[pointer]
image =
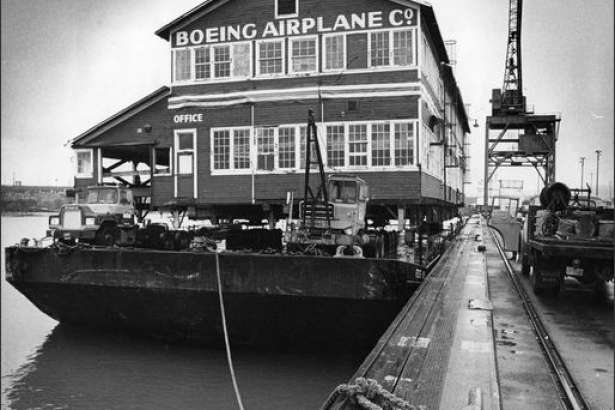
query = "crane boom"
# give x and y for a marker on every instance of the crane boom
(510, 99)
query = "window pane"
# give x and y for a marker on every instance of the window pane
(162, 161)
(222, 61)
(184, 163)
(270, 57)
(264, 148)
(287, 7)
(334, 51)
(313, 154)
(201, 63)
(241, 152)
(242, 56)
(286, 148)
(357, 144)
(381, 144)
(84, 162)
(379, 48)
(304, 55)
(185, 140)
(404, 144)
(182, 65)
(335, 145)
(222, 149)
(402, 48)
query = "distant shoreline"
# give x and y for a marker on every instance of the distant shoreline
(27, 213)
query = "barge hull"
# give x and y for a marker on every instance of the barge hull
(270, 300)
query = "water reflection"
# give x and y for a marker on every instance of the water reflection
(81, 369)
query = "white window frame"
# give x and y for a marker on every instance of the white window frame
(414, 125)
(258, 73)
(291, 40)
(322, 139)
(324, 53)
(161, 174)
(176, 153)
(284, 16)
(231, 170)
(344, 143)
(90, 172)
(210, 50)
(391, 64)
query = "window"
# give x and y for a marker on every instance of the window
(241, 151)
(335, 52)
(182, 64)
(222, 149)
(303, 55)
(162, 161)
(286, 8)
(357, 144)
(265, 154)
(379, 48)
(404, 143)
(286, 153)
(381, 144)
(403, 50)
(392, 48)
(335, 145)
(270, 57)
(222, 61)
(85, 166)
(184, 146)
(202, 68)
(302, 142)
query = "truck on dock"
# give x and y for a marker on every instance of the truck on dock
(566, 235)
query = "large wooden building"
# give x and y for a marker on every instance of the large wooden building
(226, 138)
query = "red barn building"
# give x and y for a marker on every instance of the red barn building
(227, 137)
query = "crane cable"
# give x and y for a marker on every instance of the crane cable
(226, 339)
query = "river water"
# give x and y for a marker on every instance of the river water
(49, 366)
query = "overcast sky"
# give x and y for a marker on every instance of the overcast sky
(69, 64)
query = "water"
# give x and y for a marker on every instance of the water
(50, 366)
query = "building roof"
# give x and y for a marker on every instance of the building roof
(121, 116)
(427, 17)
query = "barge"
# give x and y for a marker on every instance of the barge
(270, 300)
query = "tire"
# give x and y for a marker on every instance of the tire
(525, 262)
(536, 280)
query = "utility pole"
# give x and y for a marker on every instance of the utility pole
(598, 152)
(582, 161)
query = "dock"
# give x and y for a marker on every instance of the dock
(457, 344)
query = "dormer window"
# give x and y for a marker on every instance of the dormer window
(286, 8)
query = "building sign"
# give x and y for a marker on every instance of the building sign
(187, 118)
(298, 26)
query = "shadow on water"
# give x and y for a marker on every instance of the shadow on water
(83, 369)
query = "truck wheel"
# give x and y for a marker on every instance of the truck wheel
(525, 262)
(536, 280)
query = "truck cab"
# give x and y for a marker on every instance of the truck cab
(348, 195)
(106, 209)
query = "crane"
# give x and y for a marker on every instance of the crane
(510, 99)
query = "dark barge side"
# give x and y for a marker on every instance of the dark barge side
(270, 300)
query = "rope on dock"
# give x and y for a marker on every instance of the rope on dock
(226, 339)
(369, 395)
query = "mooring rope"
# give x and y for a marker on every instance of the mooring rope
(226, 340)
(368, 395)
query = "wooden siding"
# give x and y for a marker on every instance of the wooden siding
(431, 187)
(225, 189)
(157, 115)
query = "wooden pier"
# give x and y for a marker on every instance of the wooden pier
(439, 351)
